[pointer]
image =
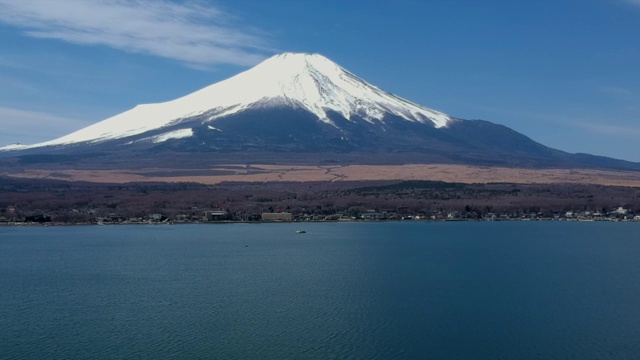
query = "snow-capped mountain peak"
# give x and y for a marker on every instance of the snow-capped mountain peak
(319, 85)
(308, 81)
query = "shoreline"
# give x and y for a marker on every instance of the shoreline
(55, 224)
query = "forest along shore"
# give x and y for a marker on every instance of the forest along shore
(31, 201)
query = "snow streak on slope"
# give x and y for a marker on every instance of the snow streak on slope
(177, 134)
(307, 81)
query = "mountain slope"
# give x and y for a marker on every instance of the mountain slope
(298, 105)
(309, 82)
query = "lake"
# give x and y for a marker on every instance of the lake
(391, 290)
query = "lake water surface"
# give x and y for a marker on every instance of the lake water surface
(506, 290)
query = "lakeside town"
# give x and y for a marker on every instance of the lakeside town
(93, 217)
(59, 203)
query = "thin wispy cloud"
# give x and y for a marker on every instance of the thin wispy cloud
(194, 33)
(27, 126)
(617, 91)
(616, 130)
(577, 122)
(632, 2)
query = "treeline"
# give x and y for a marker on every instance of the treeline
(41, 201)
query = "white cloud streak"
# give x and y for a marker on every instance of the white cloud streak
(193, 33)
(632, 2)
(615, 130)
(617, 91)
(28, 127)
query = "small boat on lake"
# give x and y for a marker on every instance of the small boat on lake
(301, 232)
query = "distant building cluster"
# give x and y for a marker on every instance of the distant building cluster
(11, 216)
(283, 216)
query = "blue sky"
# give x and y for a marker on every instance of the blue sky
(563, 72)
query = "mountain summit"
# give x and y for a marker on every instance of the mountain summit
(301, 108)
(308, 82)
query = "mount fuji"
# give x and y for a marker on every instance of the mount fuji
(302, 108)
